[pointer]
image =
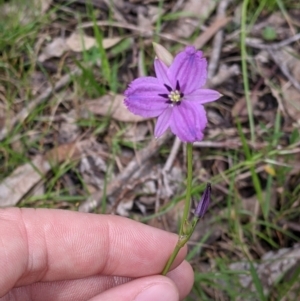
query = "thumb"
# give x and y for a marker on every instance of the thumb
(158, 288)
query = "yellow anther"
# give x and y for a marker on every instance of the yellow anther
(175, 96)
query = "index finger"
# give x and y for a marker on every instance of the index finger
(49, 245)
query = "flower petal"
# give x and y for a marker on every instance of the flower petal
(142, 97)
(203, 96)
(163, 122)
(161, 72)
(189, 68)
(188, 121)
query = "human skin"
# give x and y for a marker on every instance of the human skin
(60, 255)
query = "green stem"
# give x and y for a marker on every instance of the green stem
(171, 259)
(187, 205)
(182, 240)
(186, 230)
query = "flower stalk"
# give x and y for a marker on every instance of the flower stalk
(176, 97)
(183, 232)
(187, 204)
(187, 228)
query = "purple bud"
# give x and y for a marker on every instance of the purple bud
(204, 202)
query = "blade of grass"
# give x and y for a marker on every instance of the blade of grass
(244, 68)
(99, 38)
(257, 283)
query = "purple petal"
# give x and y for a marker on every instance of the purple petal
(202, 96)
(142, 97)
(163, 122)
(161, 72)
(188, 121)
(190, 69)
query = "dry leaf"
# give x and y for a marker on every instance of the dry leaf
(79, 42)
(55, 49)
(26, 176)
(199, 12)
(112, 105)
(291, 100)
(22, 180)
(289, 59)
(136, 133)
(92, 166)
(76, 42)
(110, 42)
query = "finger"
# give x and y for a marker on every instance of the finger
(68, 290)
(183, 277)
(158, 288)
(51, 245)
(84, 289)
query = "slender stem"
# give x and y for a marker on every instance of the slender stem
(184, 233)
(188, 196)
(171, 259)
(182, 240)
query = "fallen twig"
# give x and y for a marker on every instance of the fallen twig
(284, 69)
(218, 41)
(143, 155)
(274, 46)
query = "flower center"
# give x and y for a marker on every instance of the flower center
(175, 96)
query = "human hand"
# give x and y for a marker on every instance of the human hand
(62, 255)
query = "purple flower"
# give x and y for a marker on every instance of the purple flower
(204, 202)
(174, 95)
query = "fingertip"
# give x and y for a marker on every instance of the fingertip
(158, 288)
(183, 277)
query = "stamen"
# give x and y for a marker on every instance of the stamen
(175, 96)
(164, 95)
(168, 87)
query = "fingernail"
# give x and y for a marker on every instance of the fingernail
(158, 292)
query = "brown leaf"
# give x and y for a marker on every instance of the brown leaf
(79, 42)
(112, 105)
(198, 12)
(289, 59)
(26, 176)
(291, 100)
(22, 180)
(55, 49)
(110, 42)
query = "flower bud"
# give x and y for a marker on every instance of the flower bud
(163, 54)
(204, 202)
